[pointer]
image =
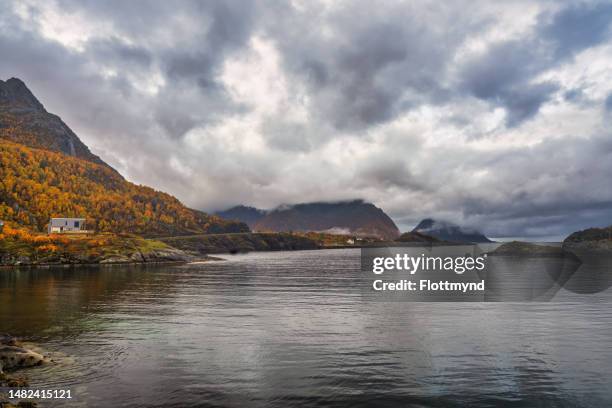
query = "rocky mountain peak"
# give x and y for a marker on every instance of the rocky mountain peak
(15, 93)
(24, 120)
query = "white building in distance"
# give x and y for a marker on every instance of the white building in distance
(66, 225)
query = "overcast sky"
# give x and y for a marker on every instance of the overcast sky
(493, 114)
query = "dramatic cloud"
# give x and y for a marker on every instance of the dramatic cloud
(491, 114)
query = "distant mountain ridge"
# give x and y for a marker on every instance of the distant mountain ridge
(354, 217)
(448, 231)
(46, 171)
(243, 213)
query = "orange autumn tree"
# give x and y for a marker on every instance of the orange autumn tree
(36, 185)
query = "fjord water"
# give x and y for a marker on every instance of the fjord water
(294, 329)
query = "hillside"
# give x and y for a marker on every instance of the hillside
(46, 171)
(450, 232)
(37, 184)
(592, 239)
(20, 247)
(348, 217)
(24, 120)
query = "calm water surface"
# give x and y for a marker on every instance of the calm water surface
(293, 329)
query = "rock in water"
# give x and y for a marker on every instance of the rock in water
(8, 340)
(12, 357)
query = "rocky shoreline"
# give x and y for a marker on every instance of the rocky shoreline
(189, 259)
(14, 355)
(19, 247)
(158, 258)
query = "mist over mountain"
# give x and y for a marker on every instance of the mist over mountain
(346, 217)
(448, 231)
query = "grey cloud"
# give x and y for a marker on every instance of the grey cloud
(556, 182)
(188, 43)
(574, 95)
(577, 27)
(389, 173)
(504, 74)
(503, 77)
(116, 50)
(372, 66)
(608, 103)
(287, 136)
(524, 103)
(355, 68)
(501, 67)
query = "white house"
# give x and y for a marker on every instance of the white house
(62, 225)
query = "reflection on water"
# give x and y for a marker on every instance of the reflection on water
(293, 329)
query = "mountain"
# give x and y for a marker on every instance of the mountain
(24, 120)
(450, 232)
(46, 171)
(243, 213)
(348, 217)
(417, 237)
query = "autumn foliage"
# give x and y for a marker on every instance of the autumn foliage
(20, 246)
(36, 185)
(45, 242)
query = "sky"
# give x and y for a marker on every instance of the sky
(487, 114)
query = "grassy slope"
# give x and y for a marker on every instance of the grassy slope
(19, 246)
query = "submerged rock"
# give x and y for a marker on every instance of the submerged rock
(12, 357)
(8, 340)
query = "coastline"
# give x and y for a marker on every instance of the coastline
(109, 264)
